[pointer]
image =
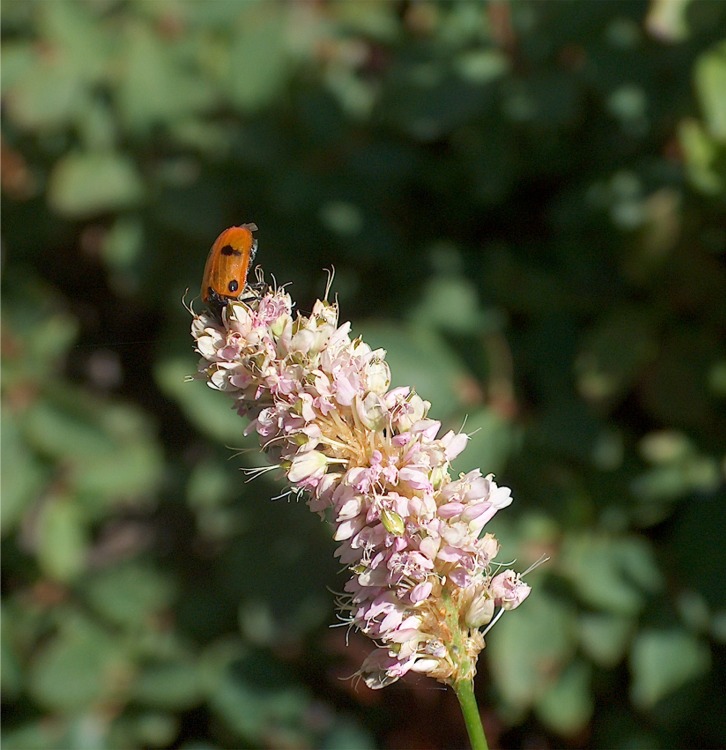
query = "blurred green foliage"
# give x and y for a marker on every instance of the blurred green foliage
(524, 203)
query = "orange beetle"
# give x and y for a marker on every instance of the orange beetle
(225, 273)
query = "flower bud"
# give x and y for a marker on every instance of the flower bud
(306, 466)
(480, 611)
(378, 374)
(508, 589)
(371, 411)
(392, 522)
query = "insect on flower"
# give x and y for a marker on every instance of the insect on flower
(225, 273)
(424, 583)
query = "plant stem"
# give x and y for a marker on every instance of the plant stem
(465, 693)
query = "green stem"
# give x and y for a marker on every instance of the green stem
(465, 693)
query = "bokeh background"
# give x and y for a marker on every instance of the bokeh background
(524, 203)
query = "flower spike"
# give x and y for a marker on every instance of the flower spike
(422, 578)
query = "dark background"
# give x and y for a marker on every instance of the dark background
(523, 203)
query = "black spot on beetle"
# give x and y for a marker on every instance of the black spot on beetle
(229, 250)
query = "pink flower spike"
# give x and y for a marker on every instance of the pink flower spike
(368, 460)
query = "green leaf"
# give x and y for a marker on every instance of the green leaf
(21, 477)
(37, 326)
(85, 184)
(157, 86)
(129, 595)
(667, 19)
(613, 574)
(170, 685)
(664, 483)
(155, 729)
(131, 471)
(39, 735)
(86, 732)
(108, 448)
(451, 304)
(258, 62)
(82, 41)
(482, 65)
(210, 484)
(605, 637)
(567, 706)
(711, 83)
(124, 243)
(62, 538)
(10, 666)
(704, 159)
(663, 661)
(75, 669)
(47, 96)
(529, 646)
(63, 425)
(17, 58)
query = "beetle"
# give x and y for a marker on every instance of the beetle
(225, 272)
